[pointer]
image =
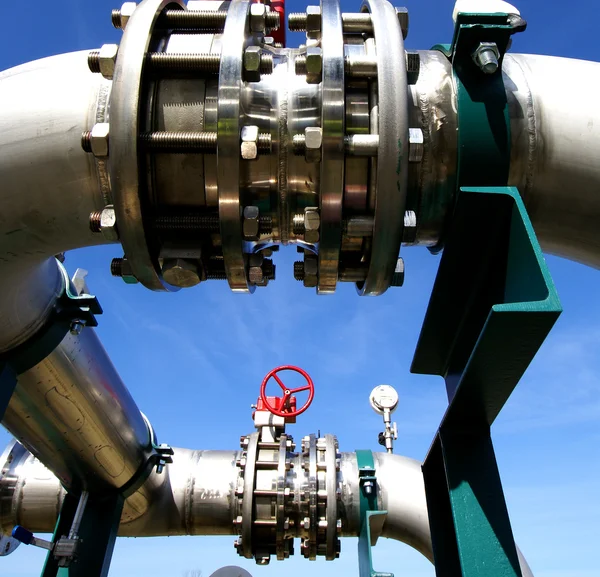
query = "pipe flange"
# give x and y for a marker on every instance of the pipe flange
(234, 41)
(283, 544)
(248, 472)
(332, 542)
(393, 151)
(309, 497)
(125, 114)
(333, 115)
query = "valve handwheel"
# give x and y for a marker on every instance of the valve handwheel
(287, 392)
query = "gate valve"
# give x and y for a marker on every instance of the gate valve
(285, 406)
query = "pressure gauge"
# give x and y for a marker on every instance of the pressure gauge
(382, 398)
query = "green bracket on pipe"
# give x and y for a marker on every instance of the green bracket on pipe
(98, 533)
(371, 519)
(491, 308)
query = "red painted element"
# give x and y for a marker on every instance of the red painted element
(286, 406)
(279, 35)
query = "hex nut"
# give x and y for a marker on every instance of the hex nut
(415, 145)
(252, 56)
(312, 223)
(313, 140)
(402, 14)
(314, 64)
(126, 12)
(108, 223)
(311, 270)
(255, 275)
(108, 58)
(398, 276)
(249, 144)
(313, 21)
(181, 272)
(258, 14)
(99, 139)
(251, 222)
(487, 56)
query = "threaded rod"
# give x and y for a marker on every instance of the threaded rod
(184, 63)
(94, 61)
(116, 267)
(95, 221)
(193, 141)
(115, 16)
(86, 141)
(208, 223)
(204, 20)
(299, 270)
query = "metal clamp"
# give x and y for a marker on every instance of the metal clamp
(71, 313)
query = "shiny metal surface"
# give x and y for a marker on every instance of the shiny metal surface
(44, 107)
(556, 146)
(73, 412)
(199, 495)
(332, 153)
(228, 145)
(392, 157)
(126, 113)
(27, 296)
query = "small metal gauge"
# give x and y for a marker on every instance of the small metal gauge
(382, 398)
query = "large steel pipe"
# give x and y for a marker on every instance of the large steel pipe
(198, 497)
(75, 414)
(49, 185)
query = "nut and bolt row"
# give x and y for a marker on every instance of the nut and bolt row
(253, 142)
(352, 23)
(204, 20)
(307, 224)
(256, 62)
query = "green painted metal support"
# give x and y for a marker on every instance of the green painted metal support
(8, 382)
(371, 519)
(98, 533)
(492, 306)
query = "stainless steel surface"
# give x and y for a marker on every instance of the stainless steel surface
(198, 497)
(73, 412)
(332, 151)
(27, 295)
(40, 152)
(392, 158)
(555, 149)
(228, 151)
(126, 113)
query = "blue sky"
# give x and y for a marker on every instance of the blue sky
(194, 360)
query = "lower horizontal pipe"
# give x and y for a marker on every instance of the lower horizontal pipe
(198, 497)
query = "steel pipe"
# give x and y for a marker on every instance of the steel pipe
(199, 494)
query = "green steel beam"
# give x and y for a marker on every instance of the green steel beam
(98, 533)
(492, 306)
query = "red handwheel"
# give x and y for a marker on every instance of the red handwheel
(287, 392)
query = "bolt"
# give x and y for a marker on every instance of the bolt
(311, 270)
(182, 63)
(76, 327)
(103, 60)
(402, 14)
(205, 20)
(96, 140)
(413, 67)
(299, 270)
(181, 272)
(313, 140)
(313, 21)
(361, 144)
(249, 146)
(122, 16)
(398, 276)
(415, 145)
(258, 18)
(314, 64)
(487, 57)
(192, 141)
(203, 223)
(105, 221)
(256, 63)
(120, 267)
(250, 225)
(410, 227)
(312, 223)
